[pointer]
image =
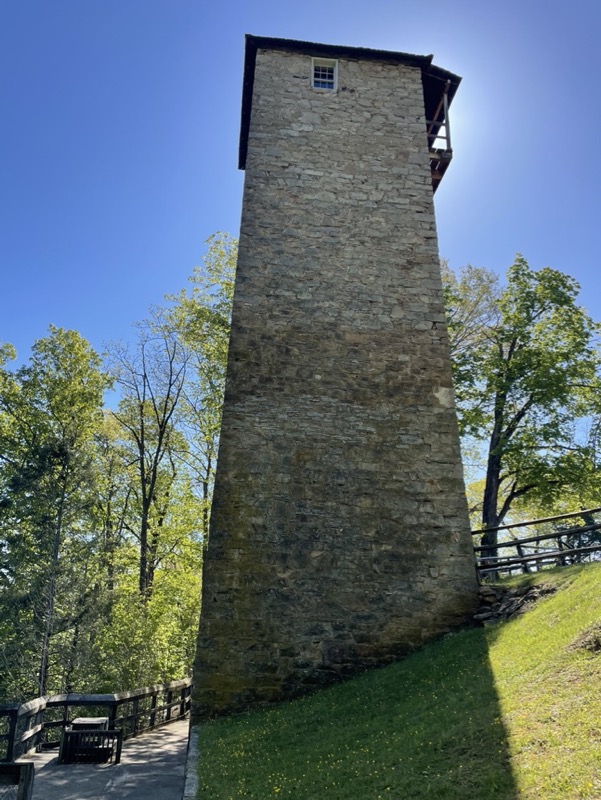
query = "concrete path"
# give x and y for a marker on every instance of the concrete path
(151, 768)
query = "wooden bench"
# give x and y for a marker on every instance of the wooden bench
(90, 746)
(20, 775)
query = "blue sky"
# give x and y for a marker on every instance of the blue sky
(119, 135)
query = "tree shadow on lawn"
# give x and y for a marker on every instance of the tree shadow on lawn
(428, 727)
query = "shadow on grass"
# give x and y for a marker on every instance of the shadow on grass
(426, 728)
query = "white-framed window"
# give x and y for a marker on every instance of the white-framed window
(324, 73)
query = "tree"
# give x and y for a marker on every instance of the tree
(526, 371)
(50, 410)
(151, 379)
(103, 513)
(153, 618)
(471, 300)
(201, 321)
(168, 424)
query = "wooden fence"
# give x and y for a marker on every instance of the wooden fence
(39, 723)
(560, 547)
(16, 781)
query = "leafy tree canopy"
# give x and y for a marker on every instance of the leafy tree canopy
(103, 512)
(526, 370)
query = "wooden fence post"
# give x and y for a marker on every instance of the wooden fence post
(153, 705)
(112, 709)
(134, 711)
(169, 701)
(561, 546)
(19, 775)
(525, 567)
(25, 790)
(12, 735)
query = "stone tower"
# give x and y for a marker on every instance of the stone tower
(339, 530)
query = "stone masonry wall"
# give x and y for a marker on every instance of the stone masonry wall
(339, 532)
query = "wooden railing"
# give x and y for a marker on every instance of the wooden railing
(39, 723)
(16, 781)
(560, 547)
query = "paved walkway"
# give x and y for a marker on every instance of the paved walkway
(151, 768)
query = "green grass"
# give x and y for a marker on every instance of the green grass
(501, 713)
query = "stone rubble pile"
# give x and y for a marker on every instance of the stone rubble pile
(498, 603)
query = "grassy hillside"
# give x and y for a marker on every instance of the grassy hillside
(499, 713)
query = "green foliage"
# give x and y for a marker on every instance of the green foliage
(103, 514)
(50, 410)
(149, 641)
(200, 319)
(526, 370)
(500, 713)
(471, 301)
(151, 379)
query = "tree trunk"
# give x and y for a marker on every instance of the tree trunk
(51, 596)
(70, 671)
(143, 582)
(490, 502)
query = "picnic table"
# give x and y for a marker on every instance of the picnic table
(92, 723)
